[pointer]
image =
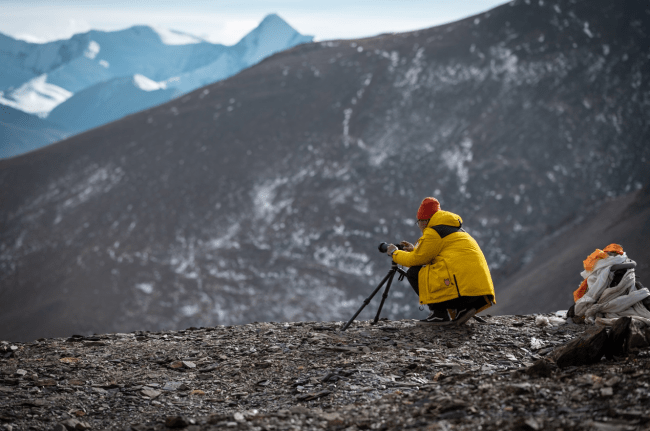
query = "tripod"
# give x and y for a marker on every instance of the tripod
(389, 277)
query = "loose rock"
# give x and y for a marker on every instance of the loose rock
(586, 349)
(270, 376)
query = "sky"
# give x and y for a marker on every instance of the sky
(228, 21)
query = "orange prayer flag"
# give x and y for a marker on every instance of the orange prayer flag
(613, 248)
(593, 258)
(580, 291)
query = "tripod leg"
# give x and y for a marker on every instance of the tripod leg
(390, 275)
(383, 298)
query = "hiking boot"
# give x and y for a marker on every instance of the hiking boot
(437, 318)
(464, 315)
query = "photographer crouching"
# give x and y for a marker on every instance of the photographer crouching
(447, 268)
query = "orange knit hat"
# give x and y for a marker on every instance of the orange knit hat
(428, 208)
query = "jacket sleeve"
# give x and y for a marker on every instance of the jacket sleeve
(426, 251)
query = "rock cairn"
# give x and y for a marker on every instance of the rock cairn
(503, 373)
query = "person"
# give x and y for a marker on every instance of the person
(447, 268)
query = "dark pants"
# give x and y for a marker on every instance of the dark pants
(456, 303)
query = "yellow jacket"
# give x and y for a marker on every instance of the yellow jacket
(454, 265)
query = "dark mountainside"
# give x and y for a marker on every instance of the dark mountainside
(264, 197)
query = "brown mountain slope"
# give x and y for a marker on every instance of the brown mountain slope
(547, 282)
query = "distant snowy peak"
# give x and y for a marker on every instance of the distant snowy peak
(273, 20)
(175, 37)
(271, 36)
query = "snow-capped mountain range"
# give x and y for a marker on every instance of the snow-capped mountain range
(97, 77)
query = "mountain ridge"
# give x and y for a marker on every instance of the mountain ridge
(61, 70)
(21, 132)
(109, 101)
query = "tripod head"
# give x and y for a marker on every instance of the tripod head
(401, 272)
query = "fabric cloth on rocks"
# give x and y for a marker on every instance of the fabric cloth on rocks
(593, 258)
(602, 303)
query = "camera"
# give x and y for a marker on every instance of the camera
(383, 247)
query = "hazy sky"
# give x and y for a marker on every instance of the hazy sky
(228, 21)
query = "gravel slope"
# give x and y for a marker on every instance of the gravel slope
(266, 376)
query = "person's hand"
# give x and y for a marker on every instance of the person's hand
(390, 249)
(407, 246)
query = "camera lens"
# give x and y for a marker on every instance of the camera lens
(383, 247)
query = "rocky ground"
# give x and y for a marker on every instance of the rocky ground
(309, 375)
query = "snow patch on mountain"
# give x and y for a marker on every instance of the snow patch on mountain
(100, 180)
(146, 84)
(456, 160)
(227, 240)
(145, 287)
(264, 194)
(175, 37)
(344, 260)
(92, 50)
(36, 96)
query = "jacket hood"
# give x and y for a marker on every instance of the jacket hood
(446, 218)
